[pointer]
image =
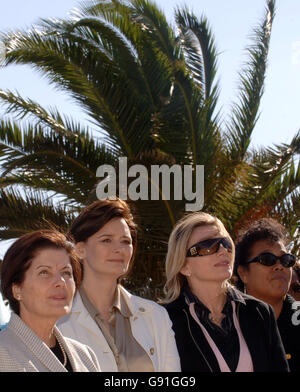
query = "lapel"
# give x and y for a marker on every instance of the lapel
(71, 353)
(33, 343)
(82, 317)
(200, 348)
(141, 323)
(253, 326)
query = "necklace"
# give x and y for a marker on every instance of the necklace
(63, 351)
(216, 319)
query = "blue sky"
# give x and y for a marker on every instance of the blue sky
(231, 22)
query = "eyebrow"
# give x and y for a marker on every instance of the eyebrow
(49, 266)
(111, 235)
(209, 238)
(272, 251)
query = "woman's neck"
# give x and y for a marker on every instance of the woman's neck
(101, 292)
(42, 327)
(276, 304)
(213, 296)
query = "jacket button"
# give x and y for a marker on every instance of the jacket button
(288, 356)
(142, 309)
(151, 350)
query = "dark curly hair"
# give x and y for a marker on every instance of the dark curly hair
(263, 229)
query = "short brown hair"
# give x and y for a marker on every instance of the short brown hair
(93, 217)
(18, 259)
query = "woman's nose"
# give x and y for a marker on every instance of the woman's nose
(117, 247)
(278, 265)
(59, 280)
(222, 247)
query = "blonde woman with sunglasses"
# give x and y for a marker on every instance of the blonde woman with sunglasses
(217, 328)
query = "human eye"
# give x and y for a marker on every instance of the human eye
(68, 273)
(106, 240)
(127, 241)
(43, 272)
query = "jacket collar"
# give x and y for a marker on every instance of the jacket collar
(61, 339)
(135, 304)
(36, 345)
(286, 310)
(83, 317)
(119, 303)
(236, 295)
(233, 295)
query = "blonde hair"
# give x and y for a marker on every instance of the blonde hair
(177, 248)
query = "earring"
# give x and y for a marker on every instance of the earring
(19, 297)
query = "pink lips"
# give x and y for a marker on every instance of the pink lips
(279, 276)
(116, 261)
(222, 264)
(59, 297)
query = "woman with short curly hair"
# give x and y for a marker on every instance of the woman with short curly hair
(264, 269)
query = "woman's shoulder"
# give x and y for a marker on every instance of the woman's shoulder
(251, 302)
(11, 347)
(141, 304)
(177, 304)
(5, 336)
(248, 299)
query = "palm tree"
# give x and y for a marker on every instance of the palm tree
(151, 94)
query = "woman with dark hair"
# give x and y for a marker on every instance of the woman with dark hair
(217, 328)
(263, 268)
(127, 333)
(39, 275)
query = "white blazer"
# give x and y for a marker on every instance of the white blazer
(21, 350)
(150, 325)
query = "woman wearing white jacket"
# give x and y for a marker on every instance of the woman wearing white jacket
(127, 333)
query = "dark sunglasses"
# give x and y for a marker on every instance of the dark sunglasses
(209, 247)
(287, 260)
(295, 287)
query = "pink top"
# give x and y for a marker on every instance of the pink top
(245, 361)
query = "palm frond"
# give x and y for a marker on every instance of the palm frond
(245, 112)
(20, 214)
(200, 50)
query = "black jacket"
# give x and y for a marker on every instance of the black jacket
(258, 325)
(290, 333)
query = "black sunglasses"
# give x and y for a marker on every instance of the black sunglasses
(209, 247)
(295, 287)
(287, 260)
